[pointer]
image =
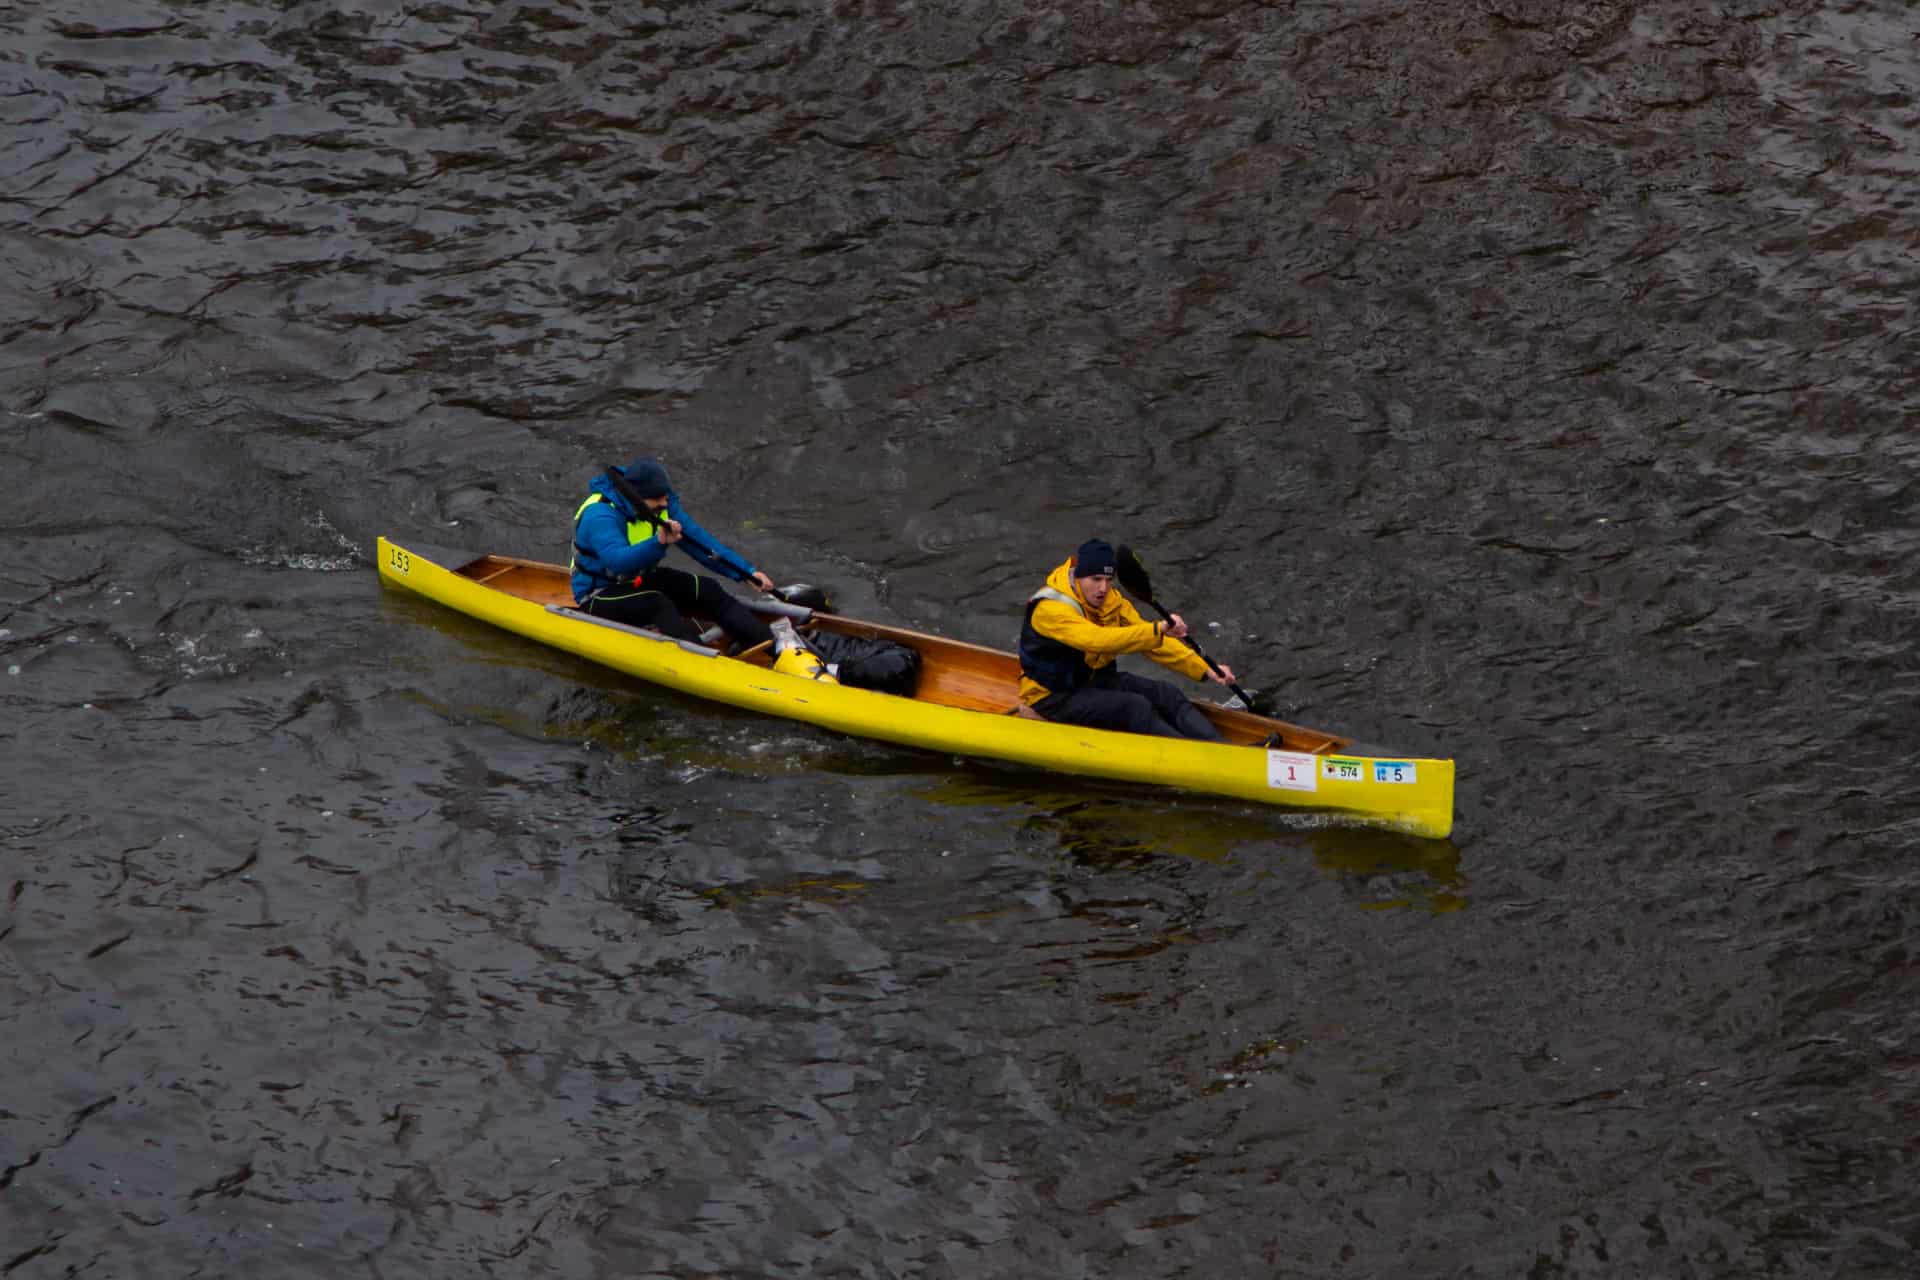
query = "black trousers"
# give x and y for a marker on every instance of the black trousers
(1131, 704)
(665, 597)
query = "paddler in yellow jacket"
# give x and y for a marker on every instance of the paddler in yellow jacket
(1076, 626)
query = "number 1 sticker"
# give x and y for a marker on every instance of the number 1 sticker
(1291, 771)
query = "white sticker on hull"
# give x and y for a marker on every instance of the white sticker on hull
(1291, 771)
(1395, 771)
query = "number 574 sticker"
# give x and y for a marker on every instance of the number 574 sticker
(1341, 769)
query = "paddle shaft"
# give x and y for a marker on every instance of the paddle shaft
(1133, 578)
(1194, 645)
(690, 540)
(659, 518)
(779, 604)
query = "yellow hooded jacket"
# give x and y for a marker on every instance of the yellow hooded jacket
(1102, 636)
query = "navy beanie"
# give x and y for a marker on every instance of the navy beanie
(1094, 556)
(648, 477)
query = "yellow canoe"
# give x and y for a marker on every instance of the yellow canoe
(965, 702)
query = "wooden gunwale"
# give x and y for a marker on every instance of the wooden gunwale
(953, 673)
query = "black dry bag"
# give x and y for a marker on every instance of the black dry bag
(883, 665)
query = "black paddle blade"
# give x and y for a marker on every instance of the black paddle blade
(1253, 700)
(805, 595)
(1132, 574)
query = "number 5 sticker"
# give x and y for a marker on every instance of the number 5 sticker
(1394, 771)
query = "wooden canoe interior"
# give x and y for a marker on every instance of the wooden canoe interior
(952, 672)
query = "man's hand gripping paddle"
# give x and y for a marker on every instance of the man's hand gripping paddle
(801, 594)
(1134, 581)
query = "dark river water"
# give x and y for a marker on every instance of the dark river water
(1528, 382)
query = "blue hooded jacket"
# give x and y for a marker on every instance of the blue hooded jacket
(603, 556)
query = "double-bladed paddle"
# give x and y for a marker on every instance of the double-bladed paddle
(1134, 580)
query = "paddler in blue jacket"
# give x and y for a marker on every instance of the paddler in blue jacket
(1076, 626)
(622, 532)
